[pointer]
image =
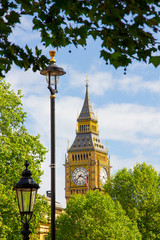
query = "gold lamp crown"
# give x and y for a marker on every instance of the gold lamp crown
(52, 54)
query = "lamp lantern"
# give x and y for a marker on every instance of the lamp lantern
(52, 73)
(26, 190)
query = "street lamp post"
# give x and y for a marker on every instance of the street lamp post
(52, 73)
(26, 190)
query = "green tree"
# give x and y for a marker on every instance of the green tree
(94, 216)
(127, 29)
(138, 192)
(17, 146)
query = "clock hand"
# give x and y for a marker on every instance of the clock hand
(79, 176)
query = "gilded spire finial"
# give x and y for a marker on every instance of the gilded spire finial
(86, 80)
(52, 54)
(68, 144)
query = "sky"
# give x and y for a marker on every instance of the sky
(127, 106)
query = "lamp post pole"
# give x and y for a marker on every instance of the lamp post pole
(52, 73)
(53, 178)
(25, 232)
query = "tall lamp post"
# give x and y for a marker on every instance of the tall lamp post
(26, 190)
(52, 73)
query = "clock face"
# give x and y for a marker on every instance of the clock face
(79, 176)
(103, 175)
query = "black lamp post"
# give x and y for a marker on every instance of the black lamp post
(26, 190)
(52, 73)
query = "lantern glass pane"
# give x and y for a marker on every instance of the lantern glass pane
(47, 77)
(19, 197)
(33, 198)
(24, 199)
(57, 79)
(53, 79)
(26, 195)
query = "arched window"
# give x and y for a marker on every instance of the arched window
(84, 156)
(78, 157)
(87, 156)
(72, 157)
(81, 156)
(75, 157)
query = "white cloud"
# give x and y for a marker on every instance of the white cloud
(130, 123)
(38, 111)
(153, 86)
(28, 81)
(99, 81)
(66, 115)
(23, 33)
(118, 163)
(135, 83)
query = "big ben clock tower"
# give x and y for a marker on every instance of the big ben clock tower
(87, 165)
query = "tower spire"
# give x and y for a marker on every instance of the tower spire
(87, 111)
(87, 134)
(87, 85)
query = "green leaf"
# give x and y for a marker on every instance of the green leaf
(38, 51)
(13, 17)
(155, 60)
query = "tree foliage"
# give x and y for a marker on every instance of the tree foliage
(94, 216)
(138, 192)
(17, 146)
(128, 29)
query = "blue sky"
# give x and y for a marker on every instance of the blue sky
(127, 106)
